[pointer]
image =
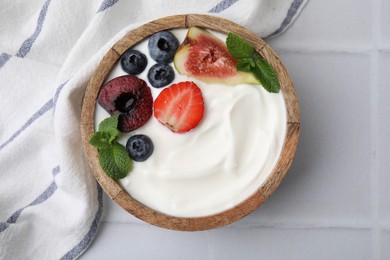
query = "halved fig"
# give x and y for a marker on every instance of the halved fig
(204, 56)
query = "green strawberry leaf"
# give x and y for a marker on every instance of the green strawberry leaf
(115, 161)
(237, 47)
(265, 73)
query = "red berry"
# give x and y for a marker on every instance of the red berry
(180, 107)
(130, 97)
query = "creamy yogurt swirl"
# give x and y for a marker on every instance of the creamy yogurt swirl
(216, 165)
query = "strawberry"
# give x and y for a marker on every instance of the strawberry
(180, 106)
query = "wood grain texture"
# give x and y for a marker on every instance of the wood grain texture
(119, 195)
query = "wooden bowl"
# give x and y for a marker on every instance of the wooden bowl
(119, 195)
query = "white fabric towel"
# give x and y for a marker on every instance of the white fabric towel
(50, 204)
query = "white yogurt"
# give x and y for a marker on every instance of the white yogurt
(216, 165)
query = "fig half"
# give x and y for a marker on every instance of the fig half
(205, 57)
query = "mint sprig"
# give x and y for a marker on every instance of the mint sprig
(248, 60)
(113, 157)
(115, 161)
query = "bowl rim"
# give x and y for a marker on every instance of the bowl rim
(141, 211)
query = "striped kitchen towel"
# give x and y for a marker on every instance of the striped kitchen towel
(50, 204)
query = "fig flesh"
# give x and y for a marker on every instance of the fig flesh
(205, 57)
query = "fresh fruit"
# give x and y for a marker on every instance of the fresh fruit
(130, 97)
(205, 57)
(160, 75)
(162, 46)
(180, 106)
(133, 62)
(139, 147)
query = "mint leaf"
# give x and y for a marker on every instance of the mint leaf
(266, 74)
(107, 133)
(109, 123)
(111, 134)
(248, 60)
(99, 141)
(115, 161)
(245, 65)
(237, 47)
(113, 157)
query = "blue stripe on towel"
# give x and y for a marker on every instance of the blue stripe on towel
(27, 44)
(46, 107)
(294, 7)
(223, 5)
(57, 94)
(86, 241)
(47, 193)
(106, 4)
(23, 50)
(4, 57)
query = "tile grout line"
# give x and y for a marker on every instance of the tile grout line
(374, 57)
(374, 161)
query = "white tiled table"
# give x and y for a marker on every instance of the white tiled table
(335, 201)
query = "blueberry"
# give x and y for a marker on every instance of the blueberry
(133, 62)
(160, 75)
(162, 46)
(139, 147)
